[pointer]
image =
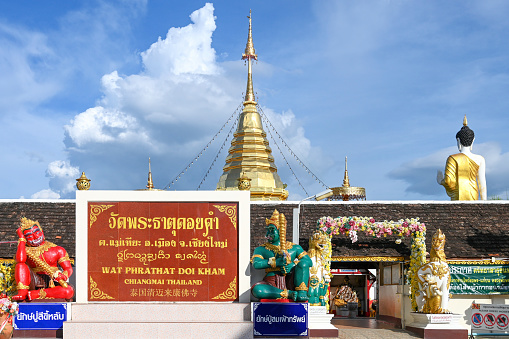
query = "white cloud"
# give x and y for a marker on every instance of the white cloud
(100, 125)
(45, 194)
(186, 49)
(62, 177)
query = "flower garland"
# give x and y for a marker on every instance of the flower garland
(7, 282)
(350, 226)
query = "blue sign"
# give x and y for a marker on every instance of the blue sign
(40, 316)
(280, 319)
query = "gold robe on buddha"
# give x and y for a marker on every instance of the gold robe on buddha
(460, 179)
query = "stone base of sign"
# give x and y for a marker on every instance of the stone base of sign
(437, 326)
(159, 320)
(319, 323)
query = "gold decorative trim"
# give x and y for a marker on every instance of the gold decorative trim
(230, 211)
(302, 255)
(42, 294)
(64, 258)
(272, 269)
(21, 286)
(301, 287)
(13, 261)
(256, 256)
(230, 291)
(96, 293)
(368, 259)
(478, 262)
(95, 210)
(284, 294)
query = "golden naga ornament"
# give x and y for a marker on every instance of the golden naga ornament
(83, 183)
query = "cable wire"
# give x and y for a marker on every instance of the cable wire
(289, 149)
(203, 150)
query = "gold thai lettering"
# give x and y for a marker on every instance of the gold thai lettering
(161, 242)
(209, 224)
(127, 242)
(211, 271)
(181, 223)
(169, 223)
(156, 223)
(209, 242)
(102, 242)
(144, 258)
(202, 257)
(142, 223)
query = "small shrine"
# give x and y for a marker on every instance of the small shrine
(347, 192)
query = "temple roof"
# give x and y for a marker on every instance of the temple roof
(250, 164)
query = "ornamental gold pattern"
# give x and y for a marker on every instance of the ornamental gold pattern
(230, 211)
(95, 210)
(96, 293)
(230, 291)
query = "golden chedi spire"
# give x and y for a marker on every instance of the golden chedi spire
(347, 192)
(250, 155)
(150, 183)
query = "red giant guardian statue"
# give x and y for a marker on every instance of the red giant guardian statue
(37, 263)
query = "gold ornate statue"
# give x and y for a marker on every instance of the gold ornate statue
(465, 174)
(318, 250)
(433, 280)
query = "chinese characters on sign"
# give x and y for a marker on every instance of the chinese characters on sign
(162, 251)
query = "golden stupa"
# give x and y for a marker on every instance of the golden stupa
(250, 162)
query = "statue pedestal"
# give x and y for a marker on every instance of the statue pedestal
(320, 323)
(431, 326)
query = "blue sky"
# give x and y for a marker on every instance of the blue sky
(100, 86)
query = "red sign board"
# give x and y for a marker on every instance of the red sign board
(162, 251)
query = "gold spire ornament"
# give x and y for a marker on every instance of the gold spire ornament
(346, 192)
(83, 183)
(250, 157)
(150, 183)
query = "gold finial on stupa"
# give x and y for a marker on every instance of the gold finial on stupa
(83, 183)
(150, 184)
(250, 155)
(249, 54)
(346, 181)
(465, 120)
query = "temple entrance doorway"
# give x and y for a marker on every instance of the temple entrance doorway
(353, 290)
